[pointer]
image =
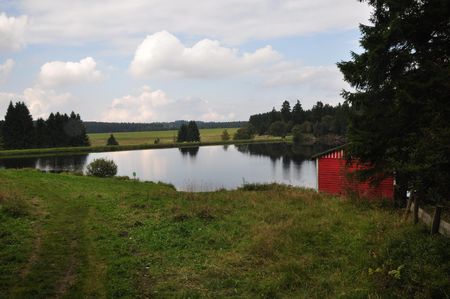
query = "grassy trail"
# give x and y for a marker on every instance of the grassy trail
(65, 236)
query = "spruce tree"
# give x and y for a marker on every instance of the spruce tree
(182, 133)
(18, 129)
(285, 111)
(298, 113)
(401, 122)
(193, 134)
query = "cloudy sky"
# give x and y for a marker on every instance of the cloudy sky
(161, 60)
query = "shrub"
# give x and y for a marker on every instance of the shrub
(225, 135)
(297, 135)
(246, 132)
(102, 168)
(278, 128)
(112, 140)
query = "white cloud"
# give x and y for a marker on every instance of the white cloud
(232, 21)
(5, 69)
(292, 73)
(155, 105)
(12, 32)
(57, 73)
(40, 101)
(164, 54)
(137, 108)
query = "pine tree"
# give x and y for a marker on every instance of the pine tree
(182, 133)
(193, 134)
(285, 111)
(298, 113)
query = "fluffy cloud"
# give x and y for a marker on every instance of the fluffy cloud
(12, 32)
(137, 108)
(5, 69)
(292, 73)
(232, 21)
(57, 73)
(164, 54)
(40, 101)
(155, 105)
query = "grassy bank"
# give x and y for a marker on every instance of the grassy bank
(71, 236)
(103, 148)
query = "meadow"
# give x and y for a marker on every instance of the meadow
(63, 235)
(135, 138)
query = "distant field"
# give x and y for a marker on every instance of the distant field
(133, 138)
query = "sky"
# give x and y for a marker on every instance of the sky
(165, 60)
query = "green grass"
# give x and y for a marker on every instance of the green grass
(83, 237)
(133, 138)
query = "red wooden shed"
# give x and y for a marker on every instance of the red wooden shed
(333, 176)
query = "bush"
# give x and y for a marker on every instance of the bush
(225, 135)
(112, 141)
(246, 132)
(297, 135)
(102, 168)
(278, 128)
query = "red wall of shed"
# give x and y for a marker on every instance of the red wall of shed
(333, 179)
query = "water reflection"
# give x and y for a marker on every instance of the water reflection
(197, 168)
(189, 151)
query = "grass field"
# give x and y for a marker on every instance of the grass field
(133, 138)
(66, 236)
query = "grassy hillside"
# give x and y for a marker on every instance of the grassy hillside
(132, 138)
(70, 236)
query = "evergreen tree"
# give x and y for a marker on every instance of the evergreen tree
(401, 120)
(42, 134)
(298, 113)
(182, 133)
(285, 111)
(112, 141)
(193, 134)
(18, 129)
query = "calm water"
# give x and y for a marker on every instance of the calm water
(198, 168)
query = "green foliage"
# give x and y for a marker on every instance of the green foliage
(102, 168)
(189, 133)
(326, 118)
(225, 135)
(246, 132)
(278, 128)
(297, 134)
(401, 120)
(193, 134)
(112, 141)
(18, 129)
(58, 130)
(413, 265)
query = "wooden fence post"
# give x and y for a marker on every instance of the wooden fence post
(408, 209)
(416, 209)
(436, 220)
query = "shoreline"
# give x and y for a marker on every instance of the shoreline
(42, 152)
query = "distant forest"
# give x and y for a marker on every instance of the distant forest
(320, 120)
(107, 127)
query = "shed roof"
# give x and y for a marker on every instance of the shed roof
(340, 147)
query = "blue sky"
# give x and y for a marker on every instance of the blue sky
(144, 61)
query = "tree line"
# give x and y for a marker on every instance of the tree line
(320, 120)
(106, 127)
(19, 131)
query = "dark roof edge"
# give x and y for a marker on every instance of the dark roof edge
(329, 151)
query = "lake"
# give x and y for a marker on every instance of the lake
(204, 168)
